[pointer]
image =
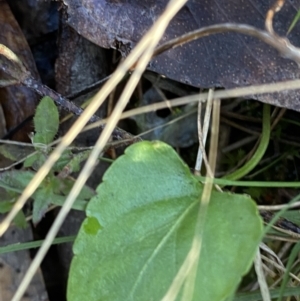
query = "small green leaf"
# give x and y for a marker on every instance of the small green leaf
(140, 228)
(15, 180)
(78, 205)
(74, 164)
(5, 151)
(66, 185)
(30, 160)
(46, 121)
(5, 206)
(15, 152)
(35, 161)
(42, 200)
(20, 220)
(63, 161)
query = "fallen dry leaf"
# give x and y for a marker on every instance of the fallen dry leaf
(17, 102)
(224, 60)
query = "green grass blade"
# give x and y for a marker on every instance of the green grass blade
(34, 244)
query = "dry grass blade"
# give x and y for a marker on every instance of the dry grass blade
(187, 271)
(270, 15)
(265, 248)
(279, 267)
(283, 45)
(261, 277)
(7, 53)
(278, 207)
(202, 133)
(222, 94)
(165, 124)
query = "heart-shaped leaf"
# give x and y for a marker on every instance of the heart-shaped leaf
(140, 228)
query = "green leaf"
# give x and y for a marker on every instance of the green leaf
(46, 121)
(5, 151)
(5, 206)
(66, 185)
(20, 220)
(35, 161)
(73, 165)
(42, 200)
(79, 204)
(140, 228)
(51, 191)
(15, 152)
(63, 160)
(15, 180)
